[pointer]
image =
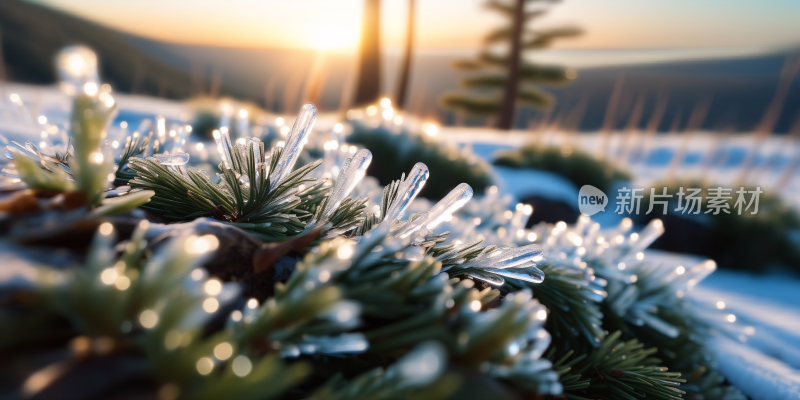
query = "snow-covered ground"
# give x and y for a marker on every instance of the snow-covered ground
(711, 157)
(766, 366)
(22, 122)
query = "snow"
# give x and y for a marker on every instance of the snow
(523, 183)
(759, 376)
(20, 124)
(712, 157)
(768, 303)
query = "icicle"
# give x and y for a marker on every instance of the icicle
(179, 159)
(224, 148)
(701, 271)
(353, 171)
(255, 145)
(13, 149)
(486, 277)
(344, 343)
(648, 235)
(507, 258)
(446, 206)
(658, 324)
(528, 274)
(228, 148)
(408, 190)
(294, 144)
(34, 153)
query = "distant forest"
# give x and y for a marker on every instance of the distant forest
(32, 34)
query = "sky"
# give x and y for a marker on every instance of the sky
(447, 24)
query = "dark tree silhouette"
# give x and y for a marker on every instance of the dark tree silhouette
(507, 79)
(405, 64)
(368, 85)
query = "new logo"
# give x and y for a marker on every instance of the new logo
(591, 200)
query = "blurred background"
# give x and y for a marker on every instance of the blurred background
(279, 54)
(609, 93)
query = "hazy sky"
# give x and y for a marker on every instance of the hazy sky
(447, 23)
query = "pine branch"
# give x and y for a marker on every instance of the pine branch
(467, 65)
(51, 177)
(270, 214)
(152, 306)
(135, 145)
(545, 38)
(563, 366)
(508, 10)
(544, 74)
(473, 105)
(498, 35)
(573, 302)
(406, 302)
(257, 191)
(134, 148)
(656, 316)
(534, 98)
(90, 120)
(418, 374)
(86, 169)
(372, 220)
(622, 371)
(528, 72)
(483, 82)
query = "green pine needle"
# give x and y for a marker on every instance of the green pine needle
(243, 197)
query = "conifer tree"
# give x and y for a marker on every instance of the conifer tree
(503, 78)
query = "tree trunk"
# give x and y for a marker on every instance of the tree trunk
(369, 63)
(506, 117)
(2, 63)
(405, 66)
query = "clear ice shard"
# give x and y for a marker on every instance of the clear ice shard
(353, 170)
(529, 274)
(298, 137)
(178, 158)
(486, 277)
(408, 190)
(449, 204)
(13, 149)
(255, 145)
(506, 257)
(344, 343)
(224, 147)
(648, 235)
(32, 152)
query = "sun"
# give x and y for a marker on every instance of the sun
(332, 36)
